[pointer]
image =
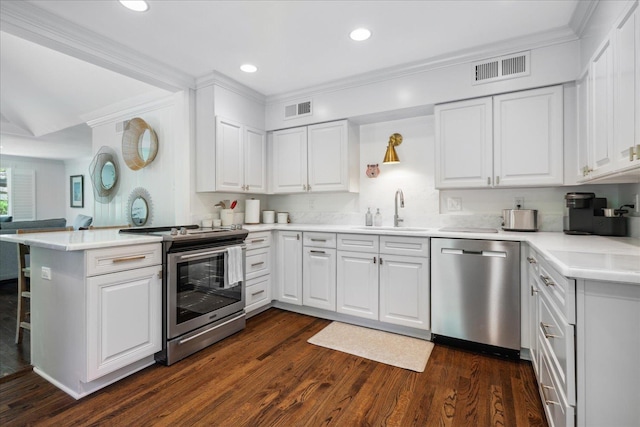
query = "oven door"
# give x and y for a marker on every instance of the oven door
(197, 289)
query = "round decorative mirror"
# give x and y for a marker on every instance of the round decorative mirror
(108, 175)
(104, 171)
(139, 209)
(139, 144)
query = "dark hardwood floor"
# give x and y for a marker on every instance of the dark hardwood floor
(268, 375)
(13, 357)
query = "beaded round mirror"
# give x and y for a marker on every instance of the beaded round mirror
(104, 171)
(139, 144)
(139, 208)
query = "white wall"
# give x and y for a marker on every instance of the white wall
(167, 178)
(424, 205)
(52, 184)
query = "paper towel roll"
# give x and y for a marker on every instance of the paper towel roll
(252, 211)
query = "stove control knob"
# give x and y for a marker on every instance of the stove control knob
(174, 231)
(183, 231)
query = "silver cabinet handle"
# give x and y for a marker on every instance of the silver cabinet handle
(257, 240)
(297, 237)
(374, 260)
(533, 291)
(380, 260)
(488, 180)
(531, 260)
(257, 264)
(546, 280)
(544, 395)
(318, 252)
(497, 180)
(257, 293)
(318, 240)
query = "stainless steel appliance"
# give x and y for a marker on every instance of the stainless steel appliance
(475, 294)
(581, 212)
(520, 220)
(200, 306)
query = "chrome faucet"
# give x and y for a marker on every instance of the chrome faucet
(396, 219)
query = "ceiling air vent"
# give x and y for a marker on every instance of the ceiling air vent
(502, 68)
(298, 109)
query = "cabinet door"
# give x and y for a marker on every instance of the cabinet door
(357, 284)
(229, 156)
(626, 81)
(602, 110)
(289, 271)
(124, 319)
(528, 137)
(583, 162)
(328, 157)
(289, 160)
(255, 161)
(464, 144)
(404, 291)
(534, 302)
(319, 278)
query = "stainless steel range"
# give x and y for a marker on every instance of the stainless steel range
(203, 287)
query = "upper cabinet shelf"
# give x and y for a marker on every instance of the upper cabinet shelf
(510, 140)
(316, 158)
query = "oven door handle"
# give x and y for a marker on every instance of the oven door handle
(210, 329)
(201, 254)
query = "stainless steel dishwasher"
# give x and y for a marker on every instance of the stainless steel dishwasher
(475, 294)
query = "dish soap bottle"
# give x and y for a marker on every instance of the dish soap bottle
(368, 218)
(377, 219)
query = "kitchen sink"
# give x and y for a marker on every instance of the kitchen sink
(391, 228)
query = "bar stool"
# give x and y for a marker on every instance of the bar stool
(24, 277)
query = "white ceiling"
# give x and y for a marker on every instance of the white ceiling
(294, 44)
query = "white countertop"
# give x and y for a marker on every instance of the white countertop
(589, 257)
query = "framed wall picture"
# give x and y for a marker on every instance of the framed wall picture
(76, 191)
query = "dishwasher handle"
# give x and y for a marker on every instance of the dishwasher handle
(450, 251)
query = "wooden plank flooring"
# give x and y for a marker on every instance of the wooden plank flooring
(268, 375)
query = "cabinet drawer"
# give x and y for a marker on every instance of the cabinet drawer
(358, 243)
(560, 290)
(558, 337)
(319, 240)
(122, 258)
(258, 292)
(559, 413)
(400, 245)
(260, 239)
(258, 263)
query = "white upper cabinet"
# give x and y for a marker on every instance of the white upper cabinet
(241, 158)
(601, 108)
(612, 106)
(289, 160)
(464, 144)
(510, 140)
(315, 158)
(626, 90)
(583, 161)
(528, 134)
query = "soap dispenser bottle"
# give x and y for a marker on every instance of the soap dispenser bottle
(368, 218)
(377, 219)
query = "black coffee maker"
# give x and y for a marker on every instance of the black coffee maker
(582, 210)
(586, 215)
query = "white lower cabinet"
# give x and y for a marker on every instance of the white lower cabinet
(357, 284)
(258, 271)
(124, 320)
(319, 271)
(288, 285)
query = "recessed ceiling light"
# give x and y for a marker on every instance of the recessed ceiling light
(249, 68)
(360, 34)
(135, 5)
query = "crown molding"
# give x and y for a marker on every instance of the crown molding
(581, 15)
(219, 79)
(121, 111)
(35, 24)
(529, 42)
